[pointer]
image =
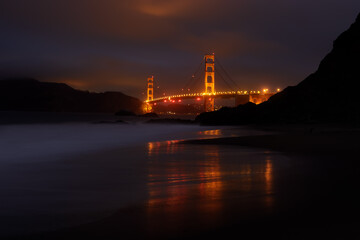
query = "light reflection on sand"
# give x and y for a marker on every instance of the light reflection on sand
(186, 181)
(269, 181)
(216, 132)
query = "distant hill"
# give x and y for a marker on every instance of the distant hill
(33, 95)
(331, 94)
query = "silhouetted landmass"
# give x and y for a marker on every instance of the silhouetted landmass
(171, 121)
(152, 115)
(178, 108)
(331, 94)
(125, 113)
(111, 122)
(242, 114)
(32, 95)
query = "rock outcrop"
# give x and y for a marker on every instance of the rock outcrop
(331, 94)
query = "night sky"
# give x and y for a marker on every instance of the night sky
(113, 45)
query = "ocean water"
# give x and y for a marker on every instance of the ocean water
(36, 142)
(65, 174)
(115, 180)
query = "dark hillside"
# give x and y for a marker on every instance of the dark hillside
(331, 94)
(32, 95)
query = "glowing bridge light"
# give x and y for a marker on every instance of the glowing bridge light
(209, 92)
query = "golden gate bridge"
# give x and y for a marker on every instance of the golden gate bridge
(209, 94)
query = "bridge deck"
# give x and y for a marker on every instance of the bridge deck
(202, 95)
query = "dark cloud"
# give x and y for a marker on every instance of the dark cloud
(113, 45)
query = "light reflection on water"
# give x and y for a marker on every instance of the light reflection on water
(202, 183)
(268, 181)
(216, 132)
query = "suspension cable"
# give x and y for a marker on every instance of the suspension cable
(226, 73)
(223, 79)
(197, 81)
(189, 82)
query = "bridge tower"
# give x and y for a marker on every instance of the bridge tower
(150, 93)
(209, 100)
(150, 88)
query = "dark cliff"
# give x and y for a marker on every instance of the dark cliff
(331, 94)
(32, 95)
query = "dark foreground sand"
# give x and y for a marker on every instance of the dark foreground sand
(325, 143)
(339, 149)
(322, 203)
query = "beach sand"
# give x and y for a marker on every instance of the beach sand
(312, 194)
(297, 140)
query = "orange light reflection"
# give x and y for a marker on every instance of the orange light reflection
(216, 132)
(182, 183)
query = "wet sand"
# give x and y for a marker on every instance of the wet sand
(308, 196)
(334, 154)
(323, 143)
(297, 185)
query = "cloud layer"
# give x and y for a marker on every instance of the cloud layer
(113, 45)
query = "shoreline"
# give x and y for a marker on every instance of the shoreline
(326, 142)
(226, 191)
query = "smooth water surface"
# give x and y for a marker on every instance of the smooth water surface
(150, 187)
